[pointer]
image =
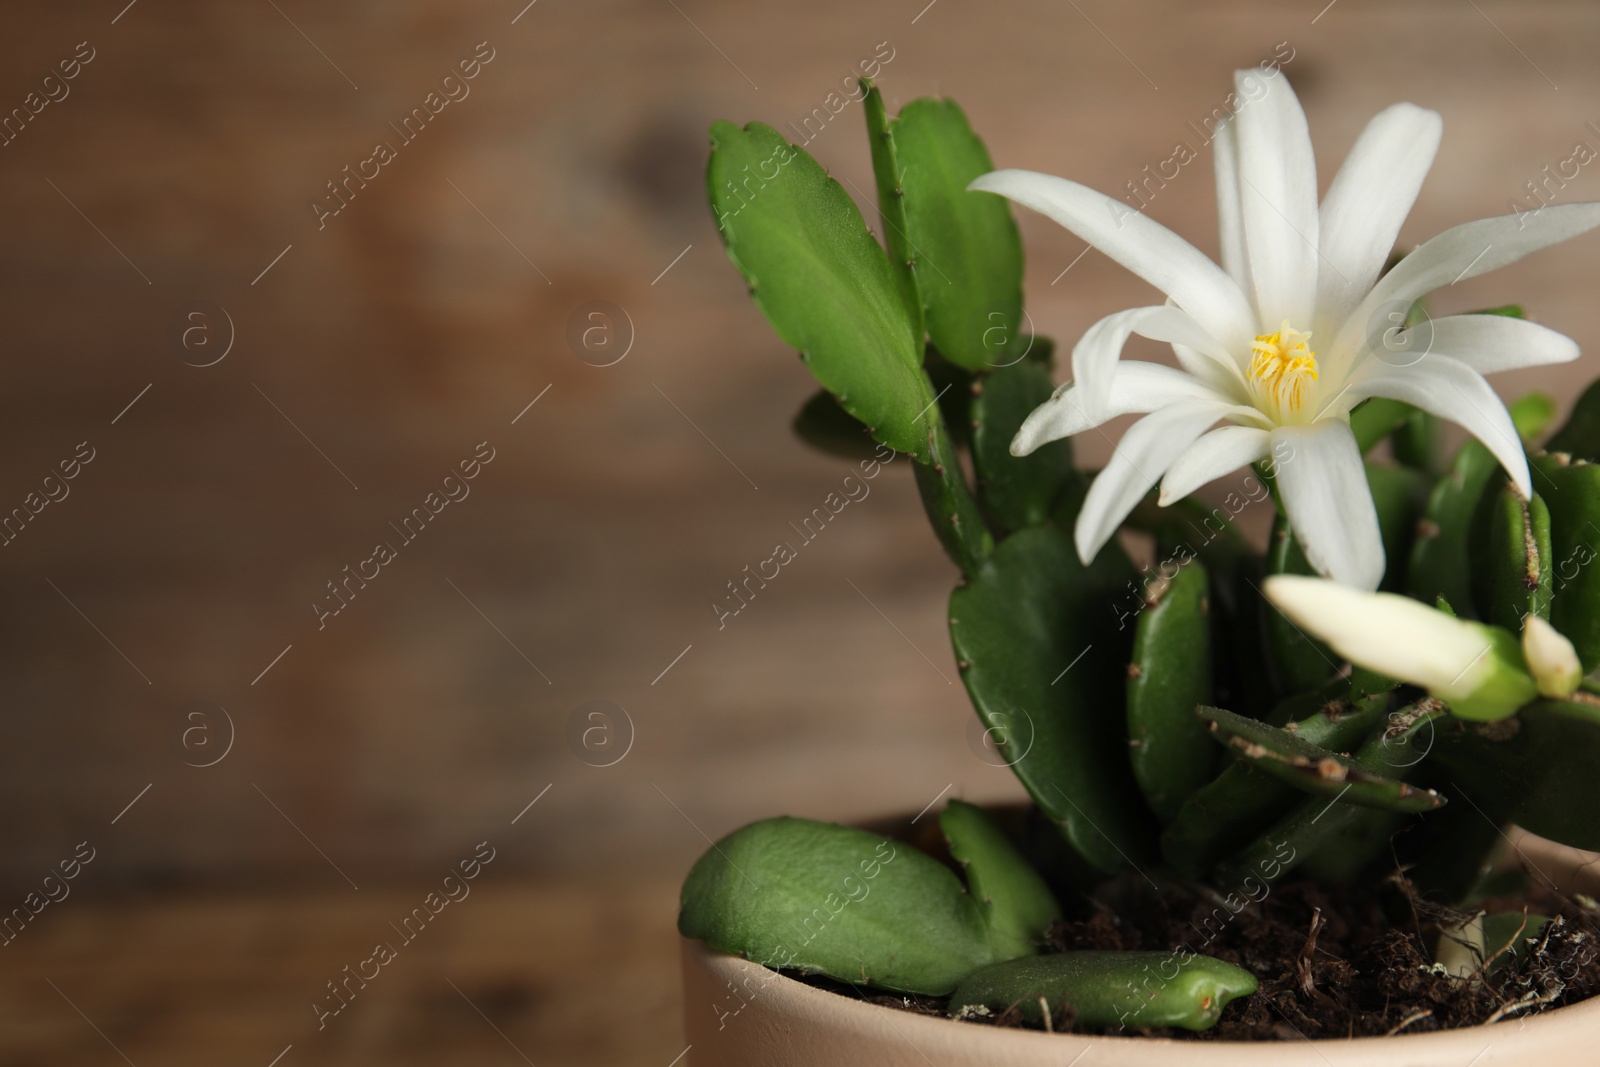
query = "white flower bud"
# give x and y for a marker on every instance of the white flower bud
(1474, 668)
(1551, 658)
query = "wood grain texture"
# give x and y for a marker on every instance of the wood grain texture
(379, 350)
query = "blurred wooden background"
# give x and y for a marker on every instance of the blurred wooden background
(164, 607)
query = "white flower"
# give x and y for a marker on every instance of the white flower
(1296, 330)
(1477, 669)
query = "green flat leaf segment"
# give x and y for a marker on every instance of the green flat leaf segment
(1169, 676)
(1440, 563)
(891, 203)
(1316, 821)
(965, 245)
(1536, 769)
(1515, 572)
(1017, 907)
(1580, 437)
(1108, 990)
(949, 505)
(820, 278)
(1572, 493)
(837, 901)
(1311, 768)
(1243, 801)
(1017, 490)
(1035, 636)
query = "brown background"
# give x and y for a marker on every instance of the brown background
(421, 321)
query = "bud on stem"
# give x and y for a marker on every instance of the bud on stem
(1551, 658)
(1477, 669)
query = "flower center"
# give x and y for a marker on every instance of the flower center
(1282, 368)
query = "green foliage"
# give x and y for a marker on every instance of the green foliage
(1440, 555)
(821, 280)
(826, 426)
(953, 386)
(965, 246)
(1300, 662)
(1311, 768)
(1516, 577)
(830, 900)
(1242, 802)
(1580, 437)
(1400, 494)
(1459, 853)
(1104, 687)
(1035, 640)
(951, 510)
(1375, 419)
(1016, 906)
(1108, 989)
(1572, 491)
(891, 202)
(1532, 414)
(860, 908)
(1416, 442)
(1536, 769)
(1170, 675)
(1315, 821)
(1023, 491)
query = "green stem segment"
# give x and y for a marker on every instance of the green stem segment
(949, 504)
(1107, 990)
(1311, 823)
(1239, 803)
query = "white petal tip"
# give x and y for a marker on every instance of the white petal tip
(987, 183)
(1426, 114)
(1086, 546)
(1523, 480)
(1026, 442)
(1291, 592)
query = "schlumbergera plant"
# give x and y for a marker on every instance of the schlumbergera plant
(1393, 683)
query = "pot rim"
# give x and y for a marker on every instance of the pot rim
(1548, 1036)
(803, 1004)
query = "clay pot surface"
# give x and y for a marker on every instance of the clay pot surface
(740, 1014)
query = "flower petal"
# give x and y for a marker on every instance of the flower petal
(1140, 244)
(1136, 388)
(1140, 459)
(1222, 372)
(1097, 352)
(1324, 489)
(1492, 343)
(1222, 451)
(1278, 195)
(1368, 201)
(1230, 225)
(1464, 251)
(1451, 390)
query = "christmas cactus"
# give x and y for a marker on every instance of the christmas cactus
(1392, 683)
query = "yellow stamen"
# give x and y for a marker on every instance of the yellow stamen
(1282, 368)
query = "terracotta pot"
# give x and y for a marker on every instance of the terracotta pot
(775, 1021)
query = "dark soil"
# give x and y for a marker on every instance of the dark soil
(1331, 963)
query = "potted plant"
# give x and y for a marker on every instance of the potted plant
(1272, 789)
